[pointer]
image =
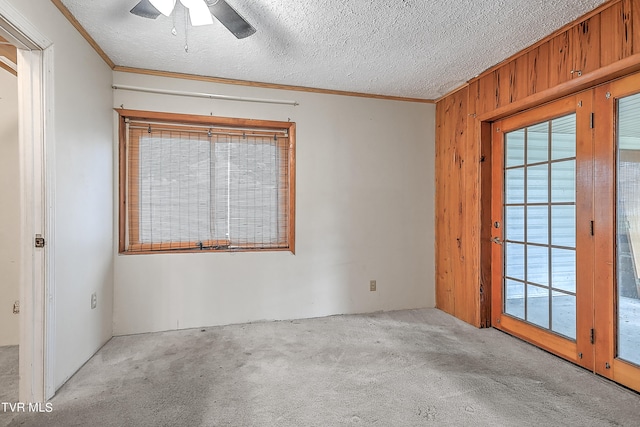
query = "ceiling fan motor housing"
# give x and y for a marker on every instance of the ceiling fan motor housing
(220, 9)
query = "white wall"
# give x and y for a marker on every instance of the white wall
(365, 195)
(83, 241)
(9, 212)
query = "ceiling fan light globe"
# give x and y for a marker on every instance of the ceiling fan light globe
(164, 6)
(199, 13)
(198, 18)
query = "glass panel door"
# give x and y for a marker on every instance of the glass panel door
(617, 232)
(628, 229)
(541, 203)
(540, 228)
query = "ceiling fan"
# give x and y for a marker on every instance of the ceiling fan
(200, 12)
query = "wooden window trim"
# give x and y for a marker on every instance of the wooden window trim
(217, 124)
(159, 247)
(133, 167)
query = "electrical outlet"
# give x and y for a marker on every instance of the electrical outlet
(372, 285)
(94, 300)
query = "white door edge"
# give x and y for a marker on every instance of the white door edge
(37, 196)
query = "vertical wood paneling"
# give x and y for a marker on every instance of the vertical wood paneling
(457, 239)
(615, 37)
(451, 122)
(627, 20)
(586, 45)
(560, 59)
(511, 81)
(488, 93)
(502, 78)
(475, 101)
(538, 68)
(635, 25)
(443, 202)
(518, 79)
(466, 293)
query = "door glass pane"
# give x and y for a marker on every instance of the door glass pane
(628, 229)
(514, 298)
(563, 225)
(514, 223)
(540, 225)
(538, 306)
(538, 184)
(514, 190)
(563, 308)
(538, 143)
(563, 137)
(515, 148)
(514, 257)
(538, 264)
(563, 175)
(563, 267)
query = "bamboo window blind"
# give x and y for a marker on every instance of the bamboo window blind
(206, 187)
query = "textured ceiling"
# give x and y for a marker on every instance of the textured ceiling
(406, 48)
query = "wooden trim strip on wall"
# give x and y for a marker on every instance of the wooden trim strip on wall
(292, 188)
(9, 51)
(142, 116)
(222, 80)
(8, 68)
(122, 181)
(131, 144)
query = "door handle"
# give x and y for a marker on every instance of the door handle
(496, 240)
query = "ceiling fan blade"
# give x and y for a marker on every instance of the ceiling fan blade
(145, 9)
(230, 18)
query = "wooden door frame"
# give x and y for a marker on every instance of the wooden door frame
(36, 149)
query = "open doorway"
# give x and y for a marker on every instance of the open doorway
(34, 63)
(9, 223)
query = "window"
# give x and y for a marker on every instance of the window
(199, 183)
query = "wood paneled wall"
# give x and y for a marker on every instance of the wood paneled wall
(602, 45)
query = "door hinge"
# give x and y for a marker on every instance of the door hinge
(39, 241)
(16, 307)
(593, 336)
(592, 228)
(591, 121)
